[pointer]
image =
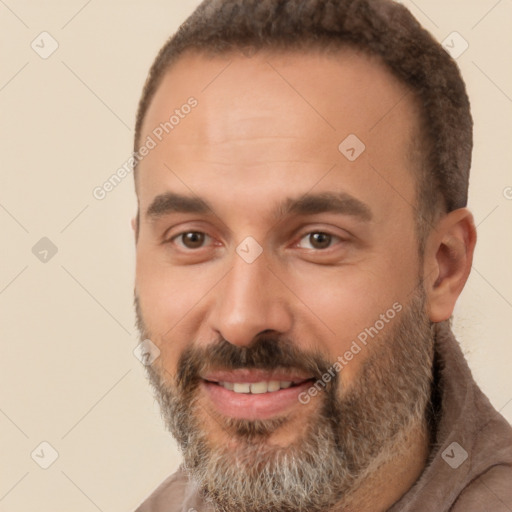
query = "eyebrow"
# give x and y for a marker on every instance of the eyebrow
(325, 202)
(170, 202)
(308, 204)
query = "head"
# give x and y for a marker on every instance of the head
(302, 215)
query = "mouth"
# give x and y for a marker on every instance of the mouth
(257, 388)
(254, 394)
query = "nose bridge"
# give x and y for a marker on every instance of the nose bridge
(249, 300)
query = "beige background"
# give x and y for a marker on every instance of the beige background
(67, 372)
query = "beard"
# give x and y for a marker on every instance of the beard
(354, 432)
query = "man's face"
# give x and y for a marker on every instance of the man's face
(286, 254)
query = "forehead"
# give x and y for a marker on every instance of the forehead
(283, 112)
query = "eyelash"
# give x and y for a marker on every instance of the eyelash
(334, 238)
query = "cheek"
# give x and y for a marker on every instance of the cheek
(170, 299)
(345, 299)
(355, 306)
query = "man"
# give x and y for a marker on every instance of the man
(302, 238)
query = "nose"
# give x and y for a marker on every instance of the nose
(248, 301)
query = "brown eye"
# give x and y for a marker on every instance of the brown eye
(192, 239)
(316, 240)
(320, 240)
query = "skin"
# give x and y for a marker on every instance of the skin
(265, 129)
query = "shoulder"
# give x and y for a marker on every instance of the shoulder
(492, 490)
(168, 496)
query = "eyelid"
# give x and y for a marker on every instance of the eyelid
(333, 231)
(186, 226)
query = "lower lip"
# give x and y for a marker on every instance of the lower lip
(253, 406)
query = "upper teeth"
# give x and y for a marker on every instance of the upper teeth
(256, 387)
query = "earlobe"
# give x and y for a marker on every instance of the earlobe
(451, 248)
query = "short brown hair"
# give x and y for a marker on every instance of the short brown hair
(377, 27)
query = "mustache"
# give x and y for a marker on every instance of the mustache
(267, 352)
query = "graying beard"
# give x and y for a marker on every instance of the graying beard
(349, 440)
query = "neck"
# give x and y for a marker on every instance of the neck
(392, 479)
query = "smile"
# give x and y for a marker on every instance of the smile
(254, 394)
(257, 388)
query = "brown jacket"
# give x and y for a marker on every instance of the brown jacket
(470, 465)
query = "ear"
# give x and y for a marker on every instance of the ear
(447, 263)
(135, 226)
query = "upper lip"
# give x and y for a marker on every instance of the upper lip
(255, 375)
